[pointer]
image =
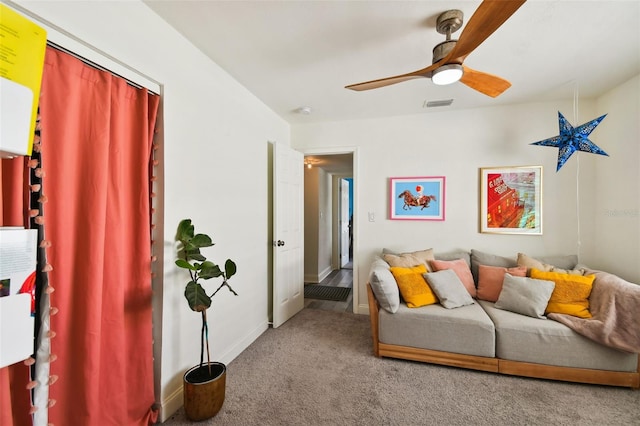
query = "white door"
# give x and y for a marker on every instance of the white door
(344, 222)
(288, 233)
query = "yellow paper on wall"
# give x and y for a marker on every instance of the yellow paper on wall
(22, 48)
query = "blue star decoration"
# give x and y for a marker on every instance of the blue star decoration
(573, 139)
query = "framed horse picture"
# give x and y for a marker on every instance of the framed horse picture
(417, 198)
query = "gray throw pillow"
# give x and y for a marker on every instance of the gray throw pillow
(548, 263)
(482, 258)
(384, 286)
(449, 289)
(526, 296)
(454, 255)
(563, 262)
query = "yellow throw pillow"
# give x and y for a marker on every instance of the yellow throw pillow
(414, 289)
(571, 293)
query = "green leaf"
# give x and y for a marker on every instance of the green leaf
(210, 270)
(196, 297)
(184, 264)
(202, 240)
(230, 268)
(185, 230)
(194, 254)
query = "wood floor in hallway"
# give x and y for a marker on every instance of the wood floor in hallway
(337, 278)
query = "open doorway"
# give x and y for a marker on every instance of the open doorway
(329, 221)
(345, 223)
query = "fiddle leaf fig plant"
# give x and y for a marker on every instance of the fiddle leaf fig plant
(199, 268)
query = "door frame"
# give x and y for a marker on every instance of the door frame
(354, 151)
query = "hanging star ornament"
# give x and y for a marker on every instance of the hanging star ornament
(573, 139)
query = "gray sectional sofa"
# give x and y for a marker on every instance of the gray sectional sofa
(484, 337)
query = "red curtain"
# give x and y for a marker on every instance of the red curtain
(96, 139)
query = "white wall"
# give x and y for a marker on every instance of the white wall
(616, 193)
(318, 221)
(213, 128)
(325, 227)
(311, 220)
(456, 145)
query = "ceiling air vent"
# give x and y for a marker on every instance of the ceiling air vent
(440, 103)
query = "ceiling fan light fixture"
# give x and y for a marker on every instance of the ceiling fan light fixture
(447, 74)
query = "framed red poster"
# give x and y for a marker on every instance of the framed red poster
(511, 200)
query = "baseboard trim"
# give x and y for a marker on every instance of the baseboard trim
(311, 278)
(362, 309)
(243, 344)
(170, 405)
(316, 279)
(324, 274)
(175, 399)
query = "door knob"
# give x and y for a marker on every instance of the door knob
(280, 243)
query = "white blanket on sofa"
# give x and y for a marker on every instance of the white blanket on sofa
(615, 306)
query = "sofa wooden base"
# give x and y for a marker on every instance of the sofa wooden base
(497, 365)
(437, 357)
(514, 368)
(567, 374)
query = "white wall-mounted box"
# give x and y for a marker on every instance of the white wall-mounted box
(18, 258)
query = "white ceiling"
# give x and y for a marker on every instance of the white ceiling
(302, 53)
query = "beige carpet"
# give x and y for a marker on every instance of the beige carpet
(317, 369)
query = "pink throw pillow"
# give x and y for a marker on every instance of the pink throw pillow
(461, 269)
(490, 280)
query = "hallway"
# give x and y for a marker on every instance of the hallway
(337, 278)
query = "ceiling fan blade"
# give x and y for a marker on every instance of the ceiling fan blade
(489, 16)
(488, 84)
(374, 84)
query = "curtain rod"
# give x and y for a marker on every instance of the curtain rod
(58, 37)
(96, 65)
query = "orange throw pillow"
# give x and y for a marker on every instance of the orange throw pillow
(490, 280)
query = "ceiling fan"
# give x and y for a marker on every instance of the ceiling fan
(448, 57)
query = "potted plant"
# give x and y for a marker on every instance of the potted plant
(204, 384)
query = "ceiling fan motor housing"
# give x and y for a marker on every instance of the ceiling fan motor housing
(442, 49)
(447, 23)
